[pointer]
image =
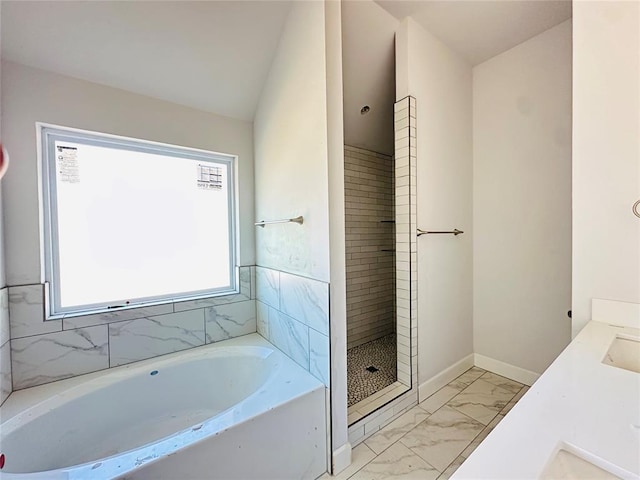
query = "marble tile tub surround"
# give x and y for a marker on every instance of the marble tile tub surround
(432, 439)
(5, 346)
(293, 314)
(45, 351)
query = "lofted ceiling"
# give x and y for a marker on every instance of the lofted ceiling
(213, 56)
(478, 29)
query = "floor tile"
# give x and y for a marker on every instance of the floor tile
(360, 456)
(442, 437)
(451, 469)
(502, 382)
(380, 353)
(514, 400)
(397, 462)
(438, 399)
(481, 400)
(467, 378)
(481, 436)
(396, 429)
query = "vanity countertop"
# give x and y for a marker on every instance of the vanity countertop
(579, 404)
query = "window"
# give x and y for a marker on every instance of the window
(128, 222)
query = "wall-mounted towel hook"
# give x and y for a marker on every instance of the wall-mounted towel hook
(636, 209)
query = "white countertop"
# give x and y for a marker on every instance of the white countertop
(578, 404)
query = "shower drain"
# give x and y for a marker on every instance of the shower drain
(371, 368)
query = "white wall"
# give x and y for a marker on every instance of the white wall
(290, 135)
(606, 154)
(522, 201)
(440, 80)
(30, 95)
(298, 147)
(368, 33)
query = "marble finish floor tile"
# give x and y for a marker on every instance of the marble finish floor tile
(442, 437)
(481, 401)
(514, 400)
(434, 439)
(396, 429)
(360, 456)
(397, 462)
(438, 399)
(380, 353)
(502, 382)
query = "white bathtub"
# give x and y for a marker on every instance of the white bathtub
(235, 409)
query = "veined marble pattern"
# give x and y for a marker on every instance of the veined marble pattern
(262, 317)
(209, 302)
(5, 372)
(481, 400)
(319, 356)
(397, 462)
(245, 281)
(502, 382)
(396, 429)
(134, 340)
(46, 358)
(4, 316)
(442, 437)
(306, 300)
(268, 286)
(82, 321)
(430, 440)
(229, 321)
(26, 312)
(290, 336)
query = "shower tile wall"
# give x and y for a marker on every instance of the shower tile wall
(45, 351)
(370, 241)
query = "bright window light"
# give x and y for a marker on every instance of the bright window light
(130, 222)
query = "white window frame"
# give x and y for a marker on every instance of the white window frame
(47, 134)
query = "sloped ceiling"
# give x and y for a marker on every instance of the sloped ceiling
(213, 56)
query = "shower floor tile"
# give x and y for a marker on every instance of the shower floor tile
(381, 354)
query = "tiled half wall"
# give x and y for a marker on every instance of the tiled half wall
(5, 346)
(46, 351)
(293, 314)
(370, 245)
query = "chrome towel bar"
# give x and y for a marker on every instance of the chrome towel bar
(262, 223)
(455, 232)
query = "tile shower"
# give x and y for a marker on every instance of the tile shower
(370, 267)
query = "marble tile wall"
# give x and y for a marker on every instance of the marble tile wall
(39, 351)
(292, 312)
(5, 346)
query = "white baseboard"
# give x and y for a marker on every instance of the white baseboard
(505, 369)
(341, 458)
(449, 374)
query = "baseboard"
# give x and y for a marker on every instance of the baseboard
(341, 458)
(449, 374)
(505, 369)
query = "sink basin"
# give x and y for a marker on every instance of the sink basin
(624, 352)
(566, 465)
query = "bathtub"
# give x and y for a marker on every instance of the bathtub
(235, 409)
